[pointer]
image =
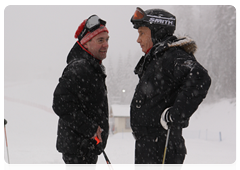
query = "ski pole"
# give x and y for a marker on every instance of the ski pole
(107, 160)
(165, 149)
(5, 122)
(104, 154)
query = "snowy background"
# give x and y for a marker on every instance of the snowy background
(37, 40)
(32, 127)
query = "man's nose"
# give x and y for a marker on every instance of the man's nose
(105, 44)
(138, 40)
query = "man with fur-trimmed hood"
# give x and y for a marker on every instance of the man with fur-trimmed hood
(172, 84)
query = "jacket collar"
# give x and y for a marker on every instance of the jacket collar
(147, 58)
(186, 43)
(78, 52)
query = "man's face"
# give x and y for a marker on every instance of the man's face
(144, 38)
(98, 45)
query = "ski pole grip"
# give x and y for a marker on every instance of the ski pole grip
(98, 141)
(5, 122)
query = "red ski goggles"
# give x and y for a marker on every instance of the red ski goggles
(139, 15)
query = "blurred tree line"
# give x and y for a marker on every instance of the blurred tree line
(213, 28)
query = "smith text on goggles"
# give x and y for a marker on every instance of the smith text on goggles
(140, 16)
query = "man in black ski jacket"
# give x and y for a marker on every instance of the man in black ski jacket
(171, 86)
(80, 98)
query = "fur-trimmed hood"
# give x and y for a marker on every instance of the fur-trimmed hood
(185, 43)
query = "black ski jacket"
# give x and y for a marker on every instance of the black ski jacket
(169, 77)
(80, 101)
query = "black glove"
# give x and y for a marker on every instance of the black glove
(98, 148)
(89, 146)
(169, 120)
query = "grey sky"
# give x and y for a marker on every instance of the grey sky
(38, 38)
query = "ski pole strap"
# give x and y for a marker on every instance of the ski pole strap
(98, 141)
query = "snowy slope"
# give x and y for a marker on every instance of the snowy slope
(32, 127)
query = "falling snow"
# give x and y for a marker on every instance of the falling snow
(32, 130)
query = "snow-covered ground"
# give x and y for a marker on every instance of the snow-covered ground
(32, 127)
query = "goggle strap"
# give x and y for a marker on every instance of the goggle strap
(83, 33)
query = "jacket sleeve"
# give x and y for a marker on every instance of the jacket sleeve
(194, 83)
(70, 98)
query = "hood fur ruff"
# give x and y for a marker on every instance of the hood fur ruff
(185, 43)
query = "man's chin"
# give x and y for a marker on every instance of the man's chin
(103, 57)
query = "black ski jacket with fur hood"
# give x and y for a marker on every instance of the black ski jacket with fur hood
(80, 101)
(169, 77)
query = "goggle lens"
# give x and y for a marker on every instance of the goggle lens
(92, 22)
(139, 14)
